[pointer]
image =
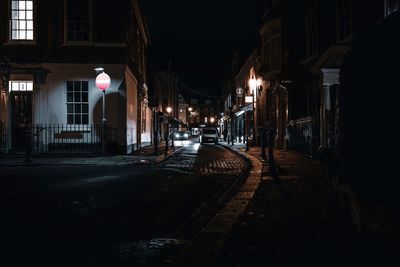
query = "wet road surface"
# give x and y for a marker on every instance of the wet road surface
(120, 216)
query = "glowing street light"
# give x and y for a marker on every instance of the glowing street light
(254, 85)
(169, 110)
(103, 81)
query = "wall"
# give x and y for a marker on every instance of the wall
(131, 111)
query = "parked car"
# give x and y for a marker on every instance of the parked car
(181, 135)
(209, 135)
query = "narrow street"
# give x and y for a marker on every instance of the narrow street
(125, 215)
(199, 133)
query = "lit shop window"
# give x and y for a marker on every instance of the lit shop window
(21, 22)
(21, 86)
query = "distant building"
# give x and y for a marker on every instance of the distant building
(164, 94)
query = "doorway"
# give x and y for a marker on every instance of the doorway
(22, 117)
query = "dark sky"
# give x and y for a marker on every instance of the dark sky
(199, 37)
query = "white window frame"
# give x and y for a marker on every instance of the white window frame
(69, 42)
(75, 103)
(20, 86)
(22, 20)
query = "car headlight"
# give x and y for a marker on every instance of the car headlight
(186, 135)
(176, 135)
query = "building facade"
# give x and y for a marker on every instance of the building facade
(48, 53)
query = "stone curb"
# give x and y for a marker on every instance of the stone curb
(204, 248)
(32, 163)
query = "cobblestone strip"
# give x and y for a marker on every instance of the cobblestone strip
(204, 248)
(209, 164)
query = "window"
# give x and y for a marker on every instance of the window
(343, 19)
(21, 86)
(21, 23)
(391, 6)
(77, 102)
(78, 21)
(273, 44)
(312, 30)
(275, 49)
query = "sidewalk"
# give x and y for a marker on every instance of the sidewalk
(145, 156)
(294, 219)
(290, 217)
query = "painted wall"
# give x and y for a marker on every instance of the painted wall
(50, 101)
(146, 135)
(131, 111)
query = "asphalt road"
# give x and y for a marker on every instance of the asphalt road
(112, 216)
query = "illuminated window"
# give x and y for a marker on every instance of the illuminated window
(312, 30)
(391, 6)
(78, 20)
(343, 19)
(77, 102)
(21, 22)
(20, 86)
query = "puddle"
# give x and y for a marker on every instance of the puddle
(148, 250)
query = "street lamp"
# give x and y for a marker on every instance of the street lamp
(169, 110)
(254, 85)
(231, 114)
(103, 81)
(190, 109)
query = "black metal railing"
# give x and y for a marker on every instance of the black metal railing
(3, 139)
(62, 139)
(69, 139)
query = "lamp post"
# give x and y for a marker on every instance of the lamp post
(5, 71)
(103, 81)
(190, 109)
(232, 117)
(155, 131)
(169, 110)
(253, 86)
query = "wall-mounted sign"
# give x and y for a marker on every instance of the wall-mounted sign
(103, 81)
(239, 91)
(248, 99)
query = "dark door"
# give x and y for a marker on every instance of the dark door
(22, 117)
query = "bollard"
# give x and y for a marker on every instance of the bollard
(271, 139)
(262, 140)
(156, 142)
(28, 149)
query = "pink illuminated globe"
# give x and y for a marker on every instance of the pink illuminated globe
(103, 81)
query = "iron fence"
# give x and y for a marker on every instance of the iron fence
(3, 139)
(53, 139)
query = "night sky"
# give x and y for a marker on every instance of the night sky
(199, 37)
